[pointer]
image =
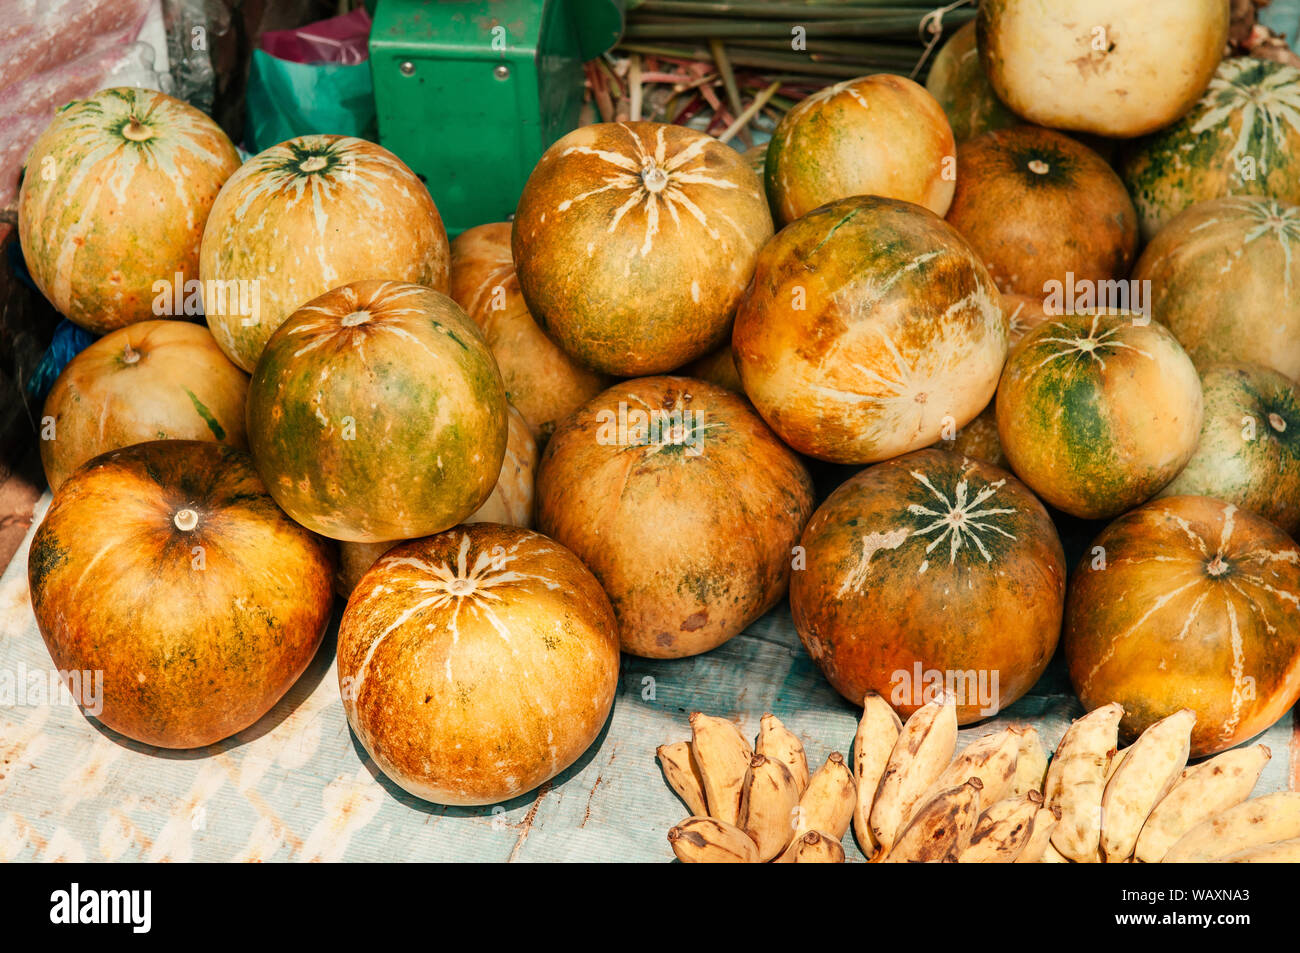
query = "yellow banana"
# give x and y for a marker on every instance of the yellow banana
(722, 755)
(767, 806)
(1203, 791)
(877, 732)
(1031, 763)
(707, 840)
(827, 805)
(1040, 839)
(779, 743)
(1116, 759)
(683, 776)
(1150, 768)
(816, 848)
(941, 830)
(1002, 831)
(992, 759)
(924, 748)
(1251, 824)
(1053, 856)
(1279, 852)
(1076, 781)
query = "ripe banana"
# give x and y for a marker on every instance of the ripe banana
(1076, 781)
(924, 748)
(1116, 759)
(1203, 791)
(707, 840)
(1031, 763)
(683, 775)
(779, 743)
(1040, 839)
(767, 806)
(827, 805)
(1281, 852)
(1254, 823)
(1053, 856)
(722, 754)
(941, 830)
(877, 732)
(992, 759)
(1002, 831)
(1150, 768)
(816, 848)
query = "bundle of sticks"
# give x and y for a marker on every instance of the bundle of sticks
(737, 65)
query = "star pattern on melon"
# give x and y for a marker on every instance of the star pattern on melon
(964, 520)
(464, 586)
(1275, 220)
(641, 163)
(1268, 106)
(1090, 346)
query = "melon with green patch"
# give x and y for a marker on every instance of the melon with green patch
(877, 135)
(510, 504)
(633, 242)
(1225, 278)
(153, 380)
(1038, 207)
(1098, 412)
(1249, 450)
(376, 412)
(115, 196)
(1117, 68)
(1241, 138)
(869, 328)
(542, 382)
(682, 502)
(168, 570)
(957, 81)
(1188, 602)
(304, 217)
(931, 563)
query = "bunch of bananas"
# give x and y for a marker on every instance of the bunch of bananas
(910, 798)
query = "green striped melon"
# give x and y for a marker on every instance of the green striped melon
(1097, 412)
(376, 412)
(1249, 451)
(1241, 138)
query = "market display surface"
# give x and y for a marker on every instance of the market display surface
(939, 491)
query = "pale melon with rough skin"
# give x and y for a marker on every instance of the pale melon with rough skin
(1188, 602)
(1241, 138)
(1098, 412)
(304, 217)
(1249, 450)
(510, 504)
(633, 242)
(152, 380)
(115, 197)
(1225, 278)
(871, 326)
(542, 382)
(877, 135)
(476, 664)
(1112, 67)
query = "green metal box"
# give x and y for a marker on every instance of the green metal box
(470, 93)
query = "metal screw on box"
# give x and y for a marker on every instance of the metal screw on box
(443, 104)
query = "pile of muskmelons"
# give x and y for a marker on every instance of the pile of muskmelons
(1058, 284)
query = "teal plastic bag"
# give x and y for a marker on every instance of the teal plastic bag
(301, 91)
